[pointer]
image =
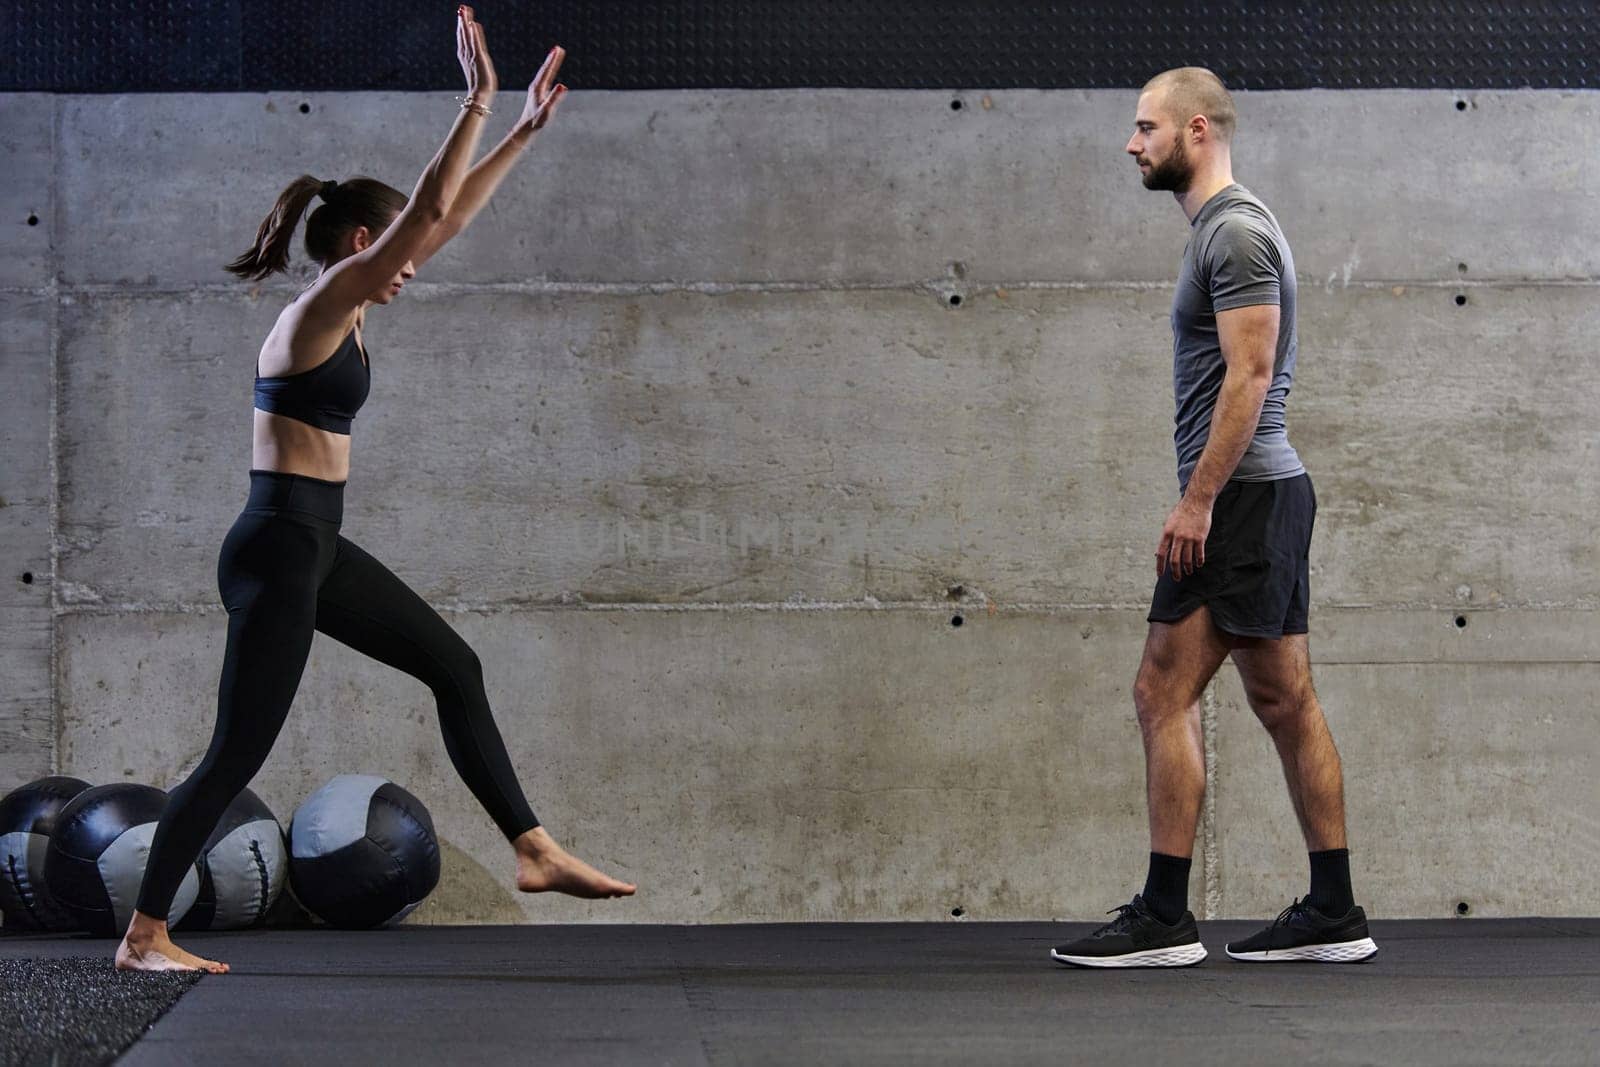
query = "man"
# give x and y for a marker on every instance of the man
(1232, 572)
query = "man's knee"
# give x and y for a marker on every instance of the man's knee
(1155, 702)
(1285, 709)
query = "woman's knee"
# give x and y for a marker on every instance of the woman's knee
(212, 786)
(460, 669)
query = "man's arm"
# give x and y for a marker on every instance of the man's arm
(1249, 339)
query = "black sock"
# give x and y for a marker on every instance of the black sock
(1330, 882)
(1166, 888)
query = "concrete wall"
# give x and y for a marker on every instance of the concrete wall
(688, 437)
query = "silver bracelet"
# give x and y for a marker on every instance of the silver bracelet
(469, 104)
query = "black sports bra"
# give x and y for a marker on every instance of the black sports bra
(327, 396)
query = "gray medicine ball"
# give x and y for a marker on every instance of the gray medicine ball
(242, 868)
(97, 855)
(362, 852)
(27, 815)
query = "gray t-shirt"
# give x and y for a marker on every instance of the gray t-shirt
(1236, 257)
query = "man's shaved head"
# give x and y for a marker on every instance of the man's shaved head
(1185, 92)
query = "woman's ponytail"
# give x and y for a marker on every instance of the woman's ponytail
(270, 253)
(346, 205)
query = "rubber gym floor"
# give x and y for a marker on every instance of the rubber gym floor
(1489, 991)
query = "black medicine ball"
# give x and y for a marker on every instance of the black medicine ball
(97, 855)
(362, 852)
(243, 865)
(27, 816)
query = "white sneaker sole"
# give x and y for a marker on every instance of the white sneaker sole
(1343, 952)
(1178, 956)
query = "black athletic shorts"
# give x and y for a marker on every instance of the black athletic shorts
(1257, 578)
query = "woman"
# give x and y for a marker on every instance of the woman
(284, 570)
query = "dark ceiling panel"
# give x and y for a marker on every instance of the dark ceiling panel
(166, 45)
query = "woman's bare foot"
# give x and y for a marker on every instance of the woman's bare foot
(146, 947)
(545, 867)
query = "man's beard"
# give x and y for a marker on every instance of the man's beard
(1173, 174)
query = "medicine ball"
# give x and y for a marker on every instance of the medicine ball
(98, 852)
(362, 852)
(27, 815)
(242, 868)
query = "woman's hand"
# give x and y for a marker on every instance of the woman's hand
(474, 55)
(544, 94)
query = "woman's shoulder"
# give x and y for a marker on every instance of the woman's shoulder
(300, 341)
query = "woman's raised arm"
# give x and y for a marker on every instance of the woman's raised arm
(544, 95)
(352, 280)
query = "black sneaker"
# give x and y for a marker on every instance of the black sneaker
(1302, 932)
(1136, 938)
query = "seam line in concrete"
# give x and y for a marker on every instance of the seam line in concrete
(1464, 661)
(715, 288)
(183, 607)
(1208, 808)
(53, 461)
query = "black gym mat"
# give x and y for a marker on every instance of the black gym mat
(78, 1010)
(1473, 991)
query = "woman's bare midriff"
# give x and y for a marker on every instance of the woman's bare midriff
(290, 446)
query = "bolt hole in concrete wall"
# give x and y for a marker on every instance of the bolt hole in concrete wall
(1461, 300)
(1461, 622)
(1461, 105)
(1462, 267)
(955, 300)
(956, 105)
(33, 220)
(1463, 908)
(958, 911)
(305, 108)
(27, 577)
(956, 620)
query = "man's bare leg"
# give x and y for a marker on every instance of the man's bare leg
(1155, 930)
(1277, 682)
(1327, 926)
(1179, 661)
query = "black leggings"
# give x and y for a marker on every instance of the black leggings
(284, 572)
